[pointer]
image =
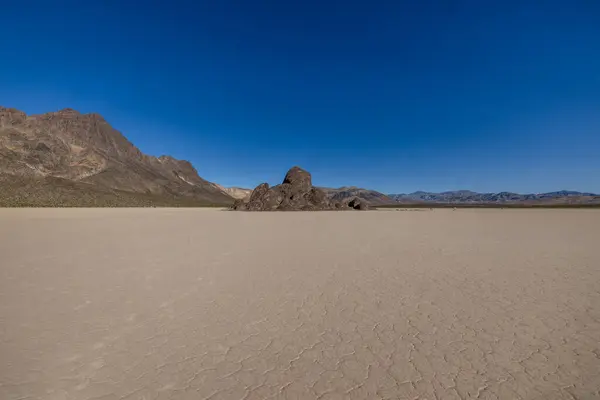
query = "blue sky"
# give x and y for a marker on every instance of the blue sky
(395, 96)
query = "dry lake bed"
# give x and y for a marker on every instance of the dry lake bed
(113, 304)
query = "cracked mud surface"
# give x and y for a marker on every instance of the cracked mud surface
(111, 304)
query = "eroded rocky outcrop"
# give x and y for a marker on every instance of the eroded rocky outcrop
(295, 193)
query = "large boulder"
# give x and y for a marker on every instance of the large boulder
(295, 193)
(298, 179)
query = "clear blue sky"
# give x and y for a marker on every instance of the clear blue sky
(391, 95)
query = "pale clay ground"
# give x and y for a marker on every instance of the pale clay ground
(110, 304)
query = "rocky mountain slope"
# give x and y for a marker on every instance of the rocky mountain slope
(65, 148)
(466, 197)
(295, 193)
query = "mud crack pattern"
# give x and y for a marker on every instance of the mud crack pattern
(196, 304)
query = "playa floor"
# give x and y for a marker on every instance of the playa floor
(114, 304)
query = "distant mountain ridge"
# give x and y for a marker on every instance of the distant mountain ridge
(375, 198)
(467, 196)
(73, 156)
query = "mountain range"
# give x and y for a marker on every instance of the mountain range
(66, 158)
(467, 196)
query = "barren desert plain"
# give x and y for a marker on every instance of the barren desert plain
(114, 304)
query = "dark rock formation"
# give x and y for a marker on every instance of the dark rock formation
(296, 193)
(345, 194)
(358, 204)
(298, 178)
